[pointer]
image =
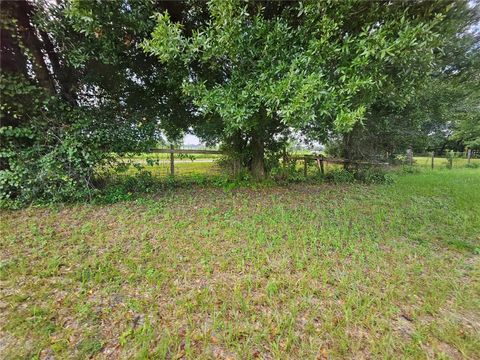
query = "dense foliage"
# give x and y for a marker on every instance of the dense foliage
(316, 67)
(442, 112)
(76, 88)
(82, 80)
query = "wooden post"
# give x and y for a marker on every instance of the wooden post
(410, 156)
(284, 157)
(450, 159)
(172, 165)
(469, 156)
(433, 156)
(320, 164)
(305, 164)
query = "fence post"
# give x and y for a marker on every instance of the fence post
(305, 164)
(284, 157)
(172, 165)
(322, 170)
(433, 157)
(410, 156)
(469, 156)
(450, 155)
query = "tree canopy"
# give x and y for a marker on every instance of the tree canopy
(81, 80)
(316, 67)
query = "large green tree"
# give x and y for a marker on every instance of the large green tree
(75, 88)
(82, 79)
(259, 69)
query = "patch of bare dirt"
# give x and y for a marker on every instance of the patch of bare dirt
(404, 326)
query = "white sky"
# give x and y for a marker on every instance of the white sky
(191, 140)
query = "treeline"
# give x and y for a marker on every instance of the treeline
(81, 80)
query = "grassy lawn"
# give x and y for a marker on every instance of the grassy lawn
(305, 271)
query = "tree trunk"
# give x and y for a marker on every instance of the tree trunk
(13, 60)
(258, 156)
(65, 77)
(24, 13)
(347, 149)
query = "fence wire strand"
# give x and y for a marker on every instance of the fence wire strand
(204, 165)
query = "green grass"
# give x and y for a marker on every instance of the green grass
(441, 162)
(182, 169)
(205, 165)
(300, 272)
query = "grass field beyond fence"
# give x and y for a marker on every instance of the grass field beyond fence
(442, 162)
(206, 165)
(300, 272)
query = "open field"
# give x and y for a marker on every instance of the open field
(441, 162)
(206, 164)
(305, 271)
(183, 168)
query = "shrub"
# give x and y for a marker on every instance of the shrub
(339, 176)
(51, 151)
(286, 174)
(374, 175)
(472, 165)
(370, 175)
(409, 170)
(450, 155)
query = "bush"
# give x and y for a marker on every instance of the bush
(48, 151)
(374, 175)
(371, 175)
(125, 188)
(450, 155)
(472, 165)
(339, 176)
(53, 167)
(407, 169)
(286, 174)
(51, 151)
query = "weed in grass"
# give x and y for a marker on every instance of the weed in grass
(88, 347)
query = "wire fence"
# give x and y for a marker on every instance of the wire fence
(194, 162)
(160, 165)
(449, 159)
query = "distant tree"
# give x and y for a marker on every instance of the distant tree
(447, 96)
(467, 130)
